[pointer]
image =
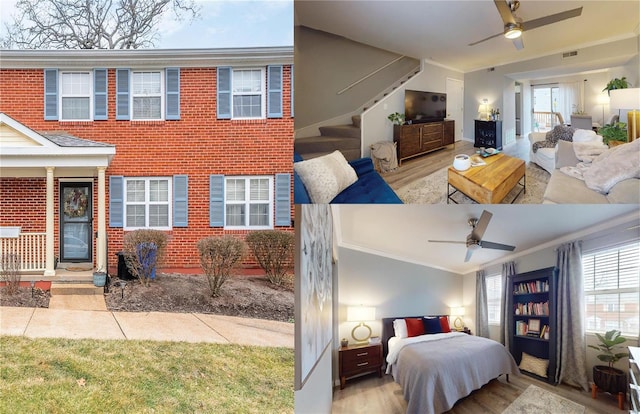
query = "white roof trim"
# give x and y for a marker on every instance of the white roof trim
(26, 131)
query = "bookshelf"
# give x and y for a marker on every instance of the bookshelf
(532, 321)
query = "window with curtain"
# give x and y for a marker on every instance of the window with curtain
(494, 299)
(612, 289)
(248, 202)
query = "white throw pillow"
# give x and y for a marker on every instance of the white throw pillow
(586, 135)
(325, 177)
(400, 328)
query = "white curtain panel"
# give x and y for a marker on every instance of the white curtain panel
(569, 99)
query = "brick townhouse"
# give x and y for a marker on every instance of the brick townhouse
(96, 143)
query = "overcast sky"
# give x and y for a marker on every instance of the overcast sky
(230, 23)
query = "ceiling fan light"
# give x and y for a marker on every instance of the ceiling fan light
(512, 31)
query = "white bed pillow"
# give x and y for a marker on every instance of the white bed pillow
(400, 328)
(325, 177)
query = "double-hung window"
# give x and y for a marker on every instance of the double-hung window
(248, 202)
(612, 288)
(494, 298)
(147, 89)
(248, 87)
(147, 203)
(75, 96)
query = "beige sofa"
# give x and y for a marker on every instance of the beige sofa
(565, 189)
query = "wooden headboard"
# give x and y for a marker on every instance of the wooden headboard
(387, 330)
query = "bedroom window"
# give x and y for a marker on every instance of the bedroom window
(147, 91)
(612, 287)
(75, 96)
(248, 202)
(147, 203)
(248, 93)
(494, 298)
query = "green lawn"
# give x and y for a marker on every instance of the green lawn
(91, 376)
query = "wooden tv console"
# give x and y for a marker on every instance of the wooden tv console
(417, 139)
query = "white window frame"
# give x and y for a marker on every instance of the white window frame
(263, 92)
(247, 202)
(491, 281)
(61, 95)
(162, 94)
(600, 314)
(147, 203)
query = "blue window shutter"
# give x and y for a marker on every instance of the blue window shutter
(122, 94)
(51, 94)
(292, 95)
(283, 199)
(224, 93)
(274, 91)
(100, 94)
(180, 201)
(173, 93)
(216, 200)
(116, 201)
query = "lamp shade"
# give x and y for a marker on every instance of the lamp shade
(457, 311)
(625, 98)
(361, 313)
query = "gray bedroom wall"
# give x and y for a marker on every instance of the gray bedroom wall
(316, 396)
(393, 287)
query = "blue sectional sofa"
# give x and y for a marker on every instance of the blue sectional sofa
(369, 189)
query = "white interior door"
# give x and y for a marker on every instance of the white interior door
(455, 104)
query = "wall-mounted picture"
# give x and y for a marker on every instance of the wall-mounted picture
(313, 288)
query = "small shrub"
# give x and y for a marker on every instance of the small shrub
(273, 250)
(143, 251)
(218, 256)
(10, 271)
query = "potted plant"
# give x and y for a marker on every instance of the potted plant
(614, 132)
(99, 277)
(607, 378)
(616, 83)
(397, 118)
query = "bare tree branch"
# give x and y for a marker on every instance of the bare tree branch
(92, 24)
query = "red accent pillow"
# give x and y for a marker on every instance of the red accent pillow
(444, 322)
(414, 327)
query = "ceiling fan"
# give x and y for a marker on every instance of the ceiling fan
(514, 26)
(474, 239)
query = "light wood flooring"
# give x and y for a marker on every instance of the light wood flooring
(370, 394)
(421, 166)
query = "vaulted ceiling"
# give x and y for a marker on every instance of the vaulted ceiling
(402, 231)
(441, 31)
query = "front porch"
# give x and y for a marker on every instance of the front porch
(53, 197)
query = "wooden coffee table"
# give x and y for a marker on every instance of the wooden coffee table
(488, 184)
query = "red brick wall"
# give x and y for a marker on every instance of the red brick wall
(196, 145)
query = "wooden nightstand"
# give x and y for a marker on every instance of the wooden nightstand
(359, 359)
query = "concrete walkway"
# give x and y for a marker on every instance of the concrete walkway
(157, 326)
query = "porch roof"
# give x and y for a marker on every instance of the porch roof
(27, 153)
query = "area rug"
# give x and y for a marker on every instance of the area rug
(535, 400)
(432, 189)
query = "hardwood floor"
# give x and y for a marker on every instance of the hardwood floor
(371, 394)
(416, 168)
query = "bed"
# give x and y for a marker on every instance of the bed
(436, 370)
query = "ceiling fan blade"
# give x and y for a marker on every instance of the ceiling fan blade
(498, 246)
(468, 256)
(505, 11)
(481, 225)
(446, 241)
(518, 43)
(552, 18)
(485, 39)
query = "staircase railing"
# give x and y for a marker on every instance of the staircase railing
(367, 76)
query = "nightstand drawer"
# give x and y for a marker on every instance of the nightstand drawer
(359, 360)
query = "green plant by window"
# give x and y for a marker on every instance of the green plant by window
(609, 343)
(397, 118)
(616, 83)
(613, 132)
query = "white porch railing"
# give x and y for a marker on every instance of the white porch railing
(545, 121)
(30, 247)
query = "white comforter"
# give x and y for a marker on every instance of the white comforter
(437, 370)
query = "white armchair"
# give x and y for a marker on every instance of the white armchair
(546, 157)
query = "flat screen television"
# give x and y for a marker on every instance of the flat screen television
(420, 106)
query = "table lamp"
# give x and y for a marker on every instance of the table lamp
(361, 314)
(458, 312)
(628, 99)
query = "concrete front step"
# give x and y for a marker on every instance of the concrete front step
(340, 131)
(61, 289)
(78, 302)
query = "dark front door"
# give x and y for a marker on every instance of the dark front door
(76, 221)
